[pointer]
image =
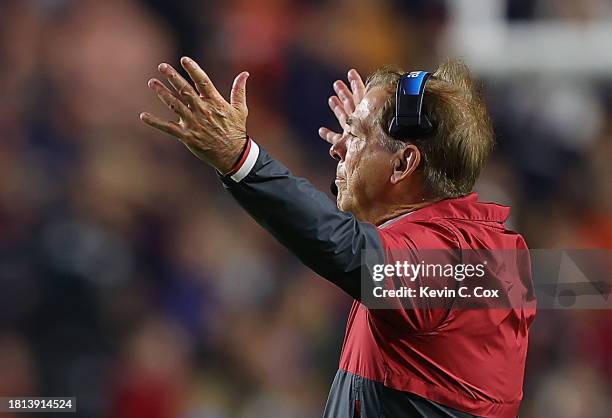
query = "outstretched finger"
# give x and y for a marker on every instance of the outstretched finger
(167, 126)
(202, 82)
(336, 106)
(169, 99)
(238, 94)
(345, 96)
(328, 135)
(182, 86)
(357, 85)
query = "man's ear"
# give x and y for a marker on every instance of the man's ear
(405, 162)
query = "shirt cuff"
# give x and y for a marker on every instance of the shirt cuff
(246, 163)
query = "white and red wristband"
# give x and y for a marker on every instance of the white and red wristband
(247, 161)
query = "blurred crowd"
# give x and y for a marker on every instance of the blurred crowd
(131, 280)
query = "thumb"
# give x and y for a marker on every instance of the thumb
(238, 94)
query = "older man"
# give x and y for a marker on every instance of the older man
(410, 152)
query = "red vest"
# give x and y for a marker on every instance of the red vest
(470, 360)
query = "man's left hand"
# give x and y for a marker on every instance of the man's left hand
(213, 129)
(343, 103)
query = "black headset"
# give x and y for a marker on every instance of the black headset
(409, 120)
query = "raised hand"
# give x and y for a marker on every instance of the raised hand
(213, 129)
(343, 103)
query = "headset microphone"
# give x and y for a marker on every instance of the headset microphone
(333, 188)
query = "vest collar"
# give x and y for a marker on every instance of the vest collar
(466, 207)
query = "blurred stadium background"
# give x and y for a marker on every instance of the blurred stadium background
(130, 280)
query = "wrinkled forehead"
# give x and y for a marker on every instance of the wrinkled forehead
(368, 110)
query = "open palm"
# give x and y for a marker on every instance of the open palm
(343, 103)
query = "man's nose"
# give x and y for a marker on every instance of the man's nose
(338, 150)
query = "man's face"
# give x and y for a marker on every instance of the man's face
(364, 165)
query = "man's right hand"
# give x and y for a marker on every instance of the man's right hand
(343, 103)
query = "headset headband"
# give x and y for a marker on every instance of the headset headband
(409, 122)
